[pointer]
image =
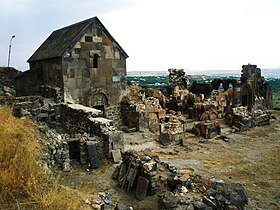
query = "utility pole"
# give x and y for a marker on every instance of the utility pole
(10, 47)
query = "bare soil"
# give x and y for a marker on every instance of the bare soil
(251, 158)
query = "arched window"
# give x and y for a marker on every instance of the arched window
(95, 61)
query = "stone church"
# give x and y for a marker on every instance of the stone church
(83, 61)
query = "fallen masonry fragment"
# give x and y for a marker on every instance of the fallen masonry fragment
(137, 172)
(172, 129)
(207, 129)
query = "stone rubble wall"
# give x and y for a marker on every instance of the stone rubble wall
(114, 113)
(142, 114)
(97, 137)
(177, 77)
(53, 93)
(57, 152)
(39, 109)
(241, 120)
(207, 129)
(172, 130)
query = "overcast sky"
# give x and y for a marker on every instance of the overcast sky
(156, 34)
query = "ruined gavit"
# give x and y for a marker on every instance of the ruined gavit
(84, 61)
(256, 93)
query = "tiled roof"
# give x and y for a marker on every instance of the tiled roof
(63, 39)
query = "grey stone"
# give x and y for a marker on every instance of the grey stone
(117, 156)
(93, 155)
(142, 187)
(198, 205)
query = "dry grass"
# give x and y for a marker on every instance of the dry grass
(23, 184)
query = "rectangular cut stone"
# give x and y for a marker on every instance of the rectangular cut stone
(93, 155)
(142, 187)
(117, 156)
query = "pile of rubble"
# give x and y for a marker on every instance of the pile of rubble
(181, 100)
(137, 172)
(240, 119)
(172, 129)
(203, 111)
(141, 112)
(207, 129)
(194, 192)
(52, 93)
(147, 175)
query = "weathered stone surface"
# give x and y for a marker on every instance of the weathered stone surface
(117, 156)
(141, 188)
(167, 201)
(139, 171)
(241, 119)
(184, 178)
(198, 205)
(207, 129)
(121, 206)
(93, 155)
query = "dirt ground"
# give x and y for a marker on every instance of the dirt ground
(251, 158)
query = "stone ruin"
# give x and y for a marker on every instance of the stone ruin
(240, 119)
(145, 110)
(172, 129)
(140, 112)
(207, 130)
(73, 131)
(207, 103)
(7, 81)
(77, 132)
(137, 172)
(177, 77)
(146, 175)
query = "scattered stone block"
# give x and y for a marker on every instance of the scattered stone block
(93, 155)
(141, 188)
(117, 156)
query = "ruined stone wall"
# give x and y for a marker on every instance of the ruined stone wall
(76, 119)
(172, 130)
(240, 119)
(38, 109)
(142, 115)
(255, 91)
(114, 113)
(94, 137)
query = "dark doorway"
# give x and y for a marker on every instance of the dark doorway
(101, 108)
(74, 149)
(247, 97)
